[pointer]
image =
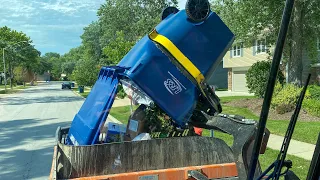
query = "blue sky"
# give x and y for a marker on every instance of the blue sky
(53, 25)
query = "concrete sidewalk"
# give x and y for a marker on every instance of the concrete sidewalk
(296, 148)
(121, 102)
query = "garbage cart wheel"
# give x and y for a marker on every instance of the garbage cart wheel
(167, 11)
(197, 10)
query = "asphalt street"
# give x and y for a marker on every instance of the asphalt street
(28, 121)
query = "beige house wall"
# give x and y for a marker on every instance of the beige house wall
(247, 58)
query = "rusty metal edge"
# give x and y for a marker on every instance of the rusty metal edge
(53, 172)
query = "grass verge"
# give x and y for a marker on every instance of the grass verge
(232, 98)
(15, 89)
(122, 113)
(84, 94)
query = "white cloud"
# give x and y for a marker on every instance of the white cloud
(70, 7)
(18, 8)
(31, 8)
(53, 26)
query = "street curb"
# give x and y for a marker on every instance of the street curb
(113, 119)
(76, 93)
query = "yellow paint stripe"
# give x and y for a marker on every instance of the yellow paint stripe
(178, 55)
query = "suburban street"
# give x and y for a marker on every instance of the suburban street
(28, 121)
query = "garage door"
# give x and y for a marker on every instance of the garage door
(239, 81)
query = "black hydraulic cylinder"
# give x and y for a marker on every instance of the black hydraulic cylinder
(314, 170)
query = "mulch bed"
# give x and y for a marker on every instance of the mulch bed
(255, 106)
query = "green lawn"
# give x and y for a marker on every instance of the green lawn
(232, 98)
(122, 113)
(226, 137)
(299, 166)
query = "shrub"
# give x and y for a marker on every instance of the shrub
(285, 100)
(257, 77)
(158, 120)
(121, 94)
(284, 108)
(314, 91)
(277, 88)
(312, 106)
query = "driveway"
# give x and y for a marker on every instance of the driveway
(28, 121)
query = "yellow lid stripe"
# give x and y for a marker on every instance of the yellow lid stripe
(178, 55)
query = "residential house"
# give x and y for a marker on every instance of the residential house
(239, 59)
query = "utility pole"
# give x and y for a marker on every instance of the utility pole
(4, 70)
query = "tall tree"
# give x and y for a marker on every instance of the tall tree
(117, 49)
(17, 49)
(253, 18)
(134, 17)
(70, 59)
(91, 41)
(86, 72)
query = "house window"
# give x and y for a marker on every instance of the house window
(236, 50)
(261, 46)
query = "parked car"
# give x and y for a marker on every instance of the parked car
(66, 85)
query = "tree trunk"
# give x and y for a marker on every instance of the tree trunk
(295, 62)
(25, 74)
(12, 76)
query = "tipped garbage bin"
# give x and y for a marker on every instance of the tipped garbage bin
(81, 89)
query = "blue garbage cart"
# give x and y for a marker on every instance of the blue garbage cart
(81, 89)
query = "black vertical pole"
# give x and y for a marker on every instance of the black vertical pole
(314, 170)
(270, 86)
(287, 138)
